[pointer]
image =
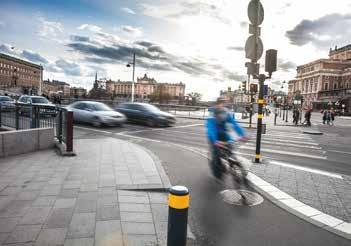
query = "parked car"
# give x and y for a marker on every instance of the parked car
(96, 113)
(7, 103)
(46, 107)
(146, 114)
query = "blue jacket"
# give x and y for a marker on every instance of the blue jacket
(215, 129)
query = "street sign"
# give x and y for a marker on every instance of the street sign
(250, 51)
(255, 12)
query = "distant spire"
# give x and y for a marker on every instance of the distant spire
(96, 76)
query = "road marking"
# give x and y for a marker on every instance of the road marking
(286, 144)
(337, 151)
(281, 152)
(307, 169)
(287, 136)
(94, 130)
(285, 141)
(136, 137)
(162, 129)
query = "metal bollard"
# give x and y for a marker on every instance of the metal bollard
(69, 131)
(178, 202)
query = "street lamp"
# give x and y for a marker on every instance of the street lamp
(129, 65)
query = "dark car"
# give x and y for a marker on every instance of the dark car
(146, 114)
(7, 103)
(45, 106)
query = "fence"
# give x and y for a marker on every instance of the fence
(21, 116)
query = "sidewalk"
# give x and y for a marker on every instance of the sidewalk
(90, 199)
(328, 193)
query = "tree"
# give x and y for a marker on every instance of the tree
(194, 98)
(160, 95)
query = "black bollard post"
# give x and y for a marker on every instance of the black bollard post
(178, 202)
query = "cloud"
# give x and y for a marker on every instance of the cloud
(244, 24)
(128, 10)
(34, 57)
(323, 32)
(149, 55)
(227, 75)
(89, 27)
(286, 66)
(77, 38)
(137, 31)
(236, 48)
(2, 24)
(49, 29)
(69, 68)
(183, 9)
(23, 54)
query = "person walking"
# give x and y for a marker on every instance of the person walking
(332, 116)
(326, 116)
(296, 116)
(308, 117)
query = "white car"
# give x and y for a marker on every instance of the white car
(96, 113)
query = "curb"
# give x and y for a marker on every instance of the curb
(61, 147)
(312, 132)
(299, 209)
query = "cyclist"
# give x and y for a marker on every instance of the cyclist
(218, 134)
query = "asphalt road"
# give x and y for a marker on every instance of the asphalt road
(213, 221)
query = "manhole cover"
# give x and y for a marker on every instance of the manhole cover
(234, 197)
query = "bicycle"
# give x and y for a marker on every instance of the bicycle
(231, 165)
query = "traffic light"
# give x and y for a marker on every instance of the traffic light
(253, 88)
(271, 61)
(243, 85)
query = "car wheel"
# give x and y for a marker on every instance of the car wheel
(150, 123)
(96, 122)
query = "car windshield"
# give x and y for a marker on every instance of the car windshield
(39, 100)
(149, 107)
(100, 107)
(5, 99)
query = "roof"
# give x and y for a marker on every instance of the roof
(14, 59)
(337, 50)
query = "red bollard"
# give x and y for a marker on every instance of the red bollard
(69, 131)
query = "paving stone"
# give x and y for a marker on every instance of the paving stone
(85, 206)
(88, 187)
(92, 196)
(108, 213)
(80, 242)
(15, 209)
(69, 193)
(108, 233)
(65, 203)
(107, 191)
(51, 190)
(71, 185)
(51, 237)
(24, 233)
(42, 201)
(158, 198)
(106, 201)
(8, 224)
(130, 207)
(133, 199)
(141, 240)
(27, 195)
(35, 215)
(138, 228)
(11, 190)
(136, 217)
(160, 212)
(59, 218)
(82, 225)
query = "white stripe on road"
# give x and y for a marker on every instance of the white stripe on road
(341, 152)
(91, 129)
(285, 141)
(286, 144)
(281, 152)
(311, 170)
(287, 136)
(160, 129)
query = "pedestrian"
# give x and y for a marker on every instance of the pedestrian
(326, 116)
(296, 116)
(332, 116)
(308, 117)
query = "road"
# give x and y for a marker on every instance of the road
(213, 221)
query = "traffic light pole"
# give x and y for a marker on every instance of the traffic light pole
(261, 79)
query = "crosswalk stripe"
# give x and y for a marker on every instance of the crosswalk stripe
(286, 141)
(287, 144)
(281, 152)
(287, 136)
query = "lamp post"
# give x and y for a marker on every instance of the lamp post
(128, 65)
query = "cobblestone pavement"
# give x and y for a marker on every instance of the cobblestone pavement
(327, 194)
(46, 199)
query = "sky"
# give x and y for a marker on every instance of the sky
(197, 42)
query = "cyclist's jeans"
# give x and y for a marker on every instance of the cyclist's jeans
(216, 162)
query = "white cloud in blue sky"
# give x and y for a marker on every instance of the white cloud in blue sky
(199, 42)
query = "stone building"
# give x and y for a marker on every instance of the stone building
(78, 92)
(20, 76)
(56, 87)
(144, 88)
(325, 82)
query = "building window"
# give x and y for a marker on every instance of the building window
(315, 86)
(347, 85)
(326, 86)
(335, 86)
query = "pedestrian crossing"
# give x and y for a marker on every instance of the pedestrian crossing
(284, 144)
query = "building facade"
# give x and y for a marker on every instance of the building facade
(144, 88)
(78, 92)
(20, 76)
(325, 82)
(56, 87)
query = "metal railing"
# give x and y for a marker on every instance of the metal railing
(20, 116)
